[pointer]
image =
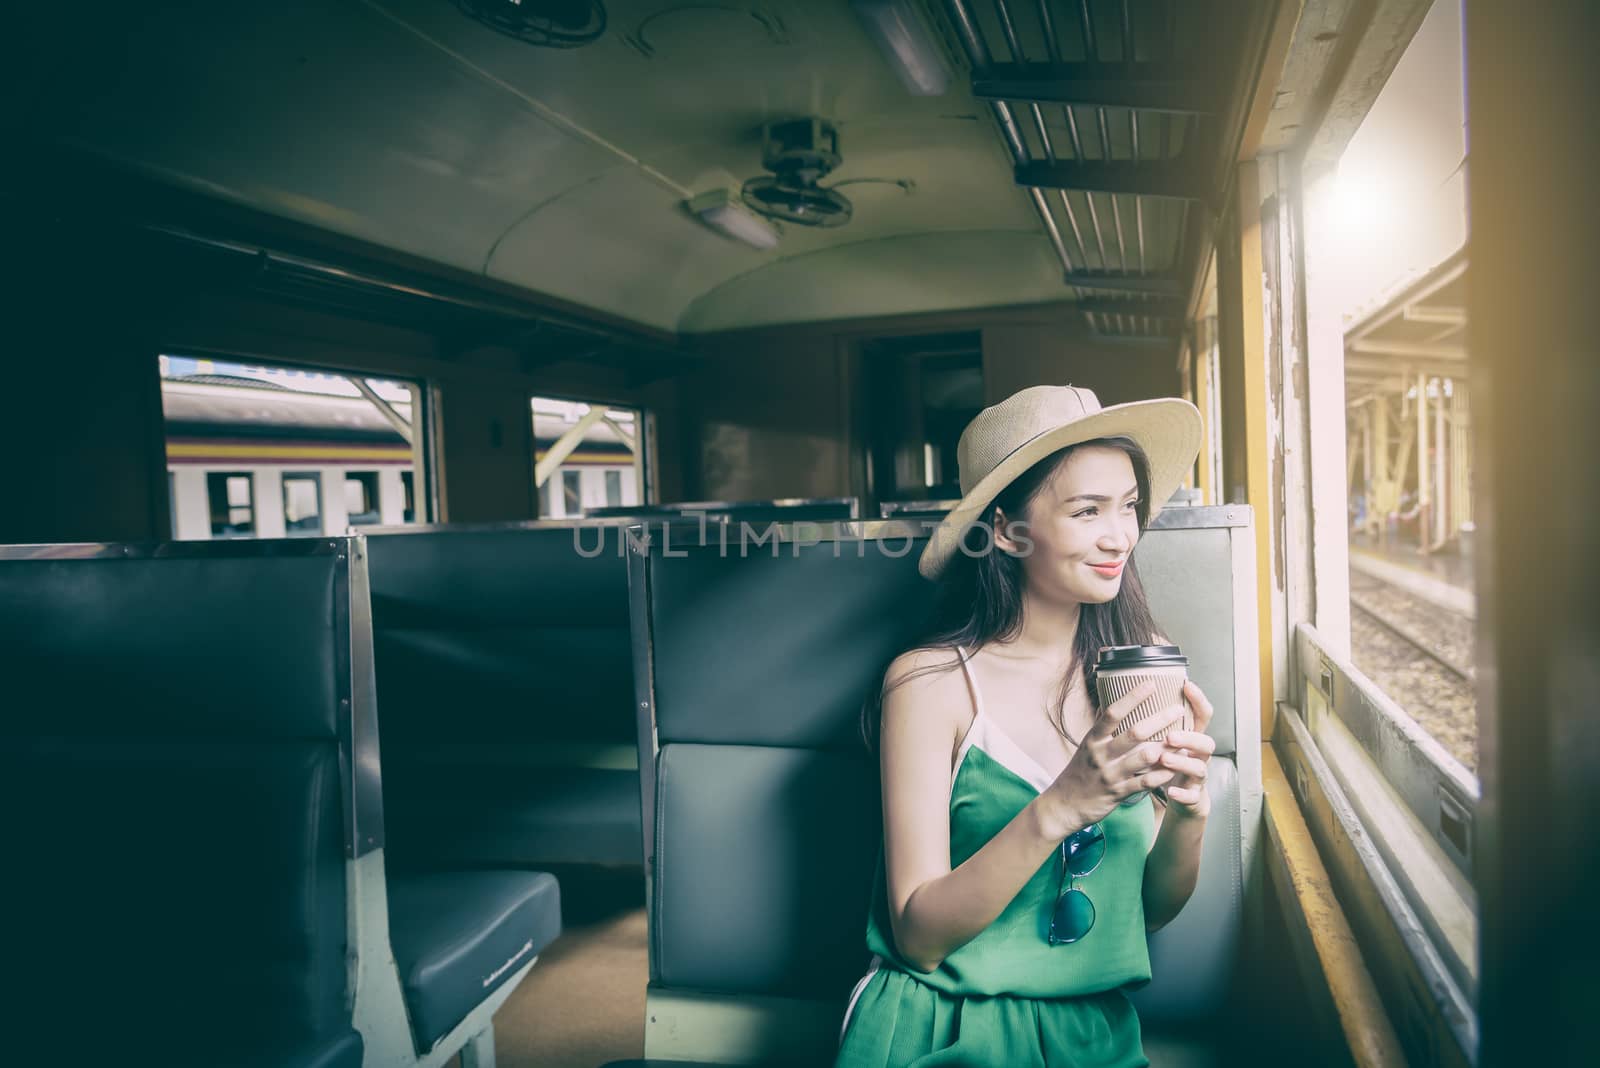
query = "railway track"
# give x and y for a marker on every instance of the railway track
(1464, 672)
(1421, 655)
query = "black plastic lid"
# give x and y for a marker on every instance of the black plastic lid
(1123, 657)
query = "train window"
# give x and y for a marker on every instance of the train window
(1388, 264)
(323, 450)
(231, 500)
(302, 503)
(361, 497)
(571, 437)
(1383, 648)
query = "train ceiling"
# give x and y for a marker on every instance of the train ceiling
(1077, 154)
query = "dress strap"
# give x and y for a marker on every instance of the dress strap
(972, 684)
(977, 728)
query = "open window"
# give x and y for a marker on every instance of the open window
(1388, 270)
(1379, 730)
(267, 451)
(587, 456)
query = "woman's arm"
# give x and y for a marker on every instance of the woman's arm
(934, 910)
(1173, 866)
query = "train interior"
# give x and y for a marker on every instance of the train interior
(468, 462)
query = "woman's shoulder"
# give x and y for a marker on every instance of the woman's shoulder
(925, 683)
(926, 708)
(927, 667)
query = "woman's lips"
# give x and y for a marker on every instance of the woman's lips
(1108, 570)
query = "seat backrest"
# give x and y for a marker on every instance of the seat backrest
(765, 804)
(504, 677)
(925, 509)
(173, 760)
(787, 510)
(1198, 567)
(507, 635)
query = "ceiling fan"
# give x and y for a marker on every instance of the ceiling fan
(799, 153)
(544, 23)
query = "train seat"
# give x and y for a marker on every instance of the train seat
(170, 767)
(765, 805)
(459, 935)
(505, 684)
(1198, 568)
(340, 1051)
(192, 736)
(756, 513)
(518, 816)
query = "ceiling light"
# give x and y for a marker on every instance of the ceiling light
(721, 210)
(906, 42)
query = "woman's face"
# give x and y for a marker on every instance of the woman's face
(1083, 525)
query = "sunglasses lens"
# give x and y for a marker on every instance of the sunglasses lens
(1085, 849)
(1073, 917)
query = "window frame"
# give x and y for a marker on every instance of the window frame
(1428, 1004)
(1394, 815)
(408, 496)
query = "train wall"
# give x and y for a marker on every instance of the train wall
(81, 423)
(769, 413)
(776, 413)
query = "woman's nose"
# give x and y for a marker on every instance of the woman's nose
(1115, 540)
(1118, 537)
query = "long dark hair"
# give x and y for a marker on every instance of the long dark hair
(980, 595)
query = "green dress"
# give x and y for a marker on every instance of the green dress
(1009, 998)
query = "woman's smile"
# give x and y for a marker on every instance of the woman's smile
(1110, 571)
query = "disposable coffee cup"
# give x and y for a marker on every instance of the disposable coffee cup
(1121, 669)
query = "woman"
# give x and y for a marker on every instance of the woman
(1026, 852)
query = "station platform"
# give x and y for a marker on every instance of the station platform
(1444, 579)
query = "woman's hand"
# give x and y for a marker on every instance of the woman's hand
(1107, 767)
(1187, 755)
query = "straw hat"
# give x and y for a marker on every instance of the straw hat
(1006, 439)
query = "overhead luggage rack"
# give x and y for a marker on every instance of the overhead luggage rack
(1123, 129)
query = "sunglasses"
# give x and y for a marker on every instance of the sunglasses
(1081, 853)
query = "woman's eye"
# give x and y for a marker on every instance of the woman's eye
(1132, 504)
(1086, 511)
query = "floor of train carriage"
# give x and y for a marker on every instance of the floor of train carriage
(582, 1005)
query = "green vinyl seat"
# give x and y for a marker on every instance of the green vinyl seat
(764, 804)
